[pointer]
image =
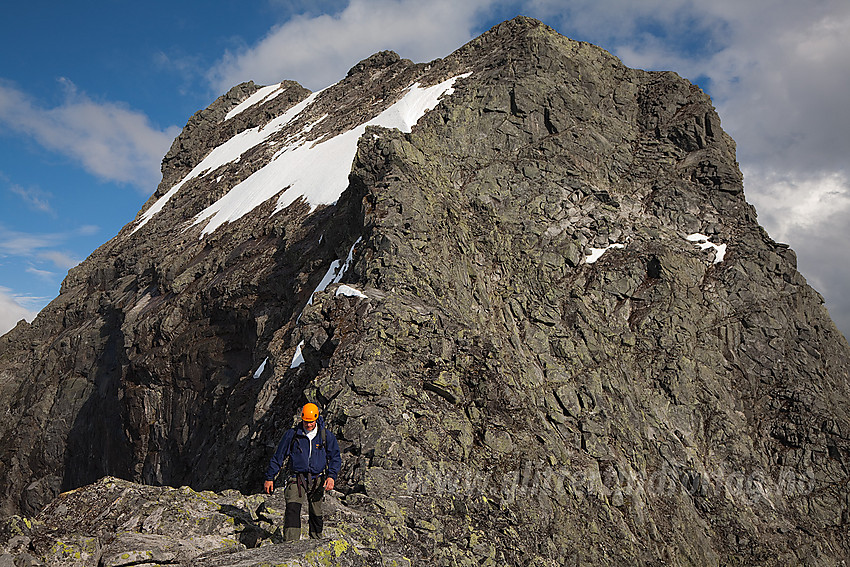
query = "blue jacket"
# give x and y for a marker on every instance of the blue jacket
(296, 445)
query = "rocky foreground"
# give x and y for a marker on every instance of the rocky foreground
(116, 523)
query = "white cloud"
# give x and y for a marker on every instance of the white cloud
(44, 274)
(319, 50)
(782, 88)
(25, 244)
(187, 69)
(812, 214)
(35, 198)
(181, 63)
(11, 311)
(88, 230)
(790, 205)
(35, 246)
(62, 260)
(108, 139)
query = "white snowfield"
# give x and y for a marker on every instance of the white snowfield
(702, 241)
(230, 151)
(316, 171)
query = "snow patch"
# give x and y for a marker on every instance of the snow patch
(328, 279)
(333, 275)
(335, 272)
(262, 95)
(596, 253)
(702, 241)
(262, 367)
(297, 358)
(349, 291)
(317, 171)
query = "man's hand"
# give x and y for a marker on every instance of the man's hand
(329, 483)
(268, 486)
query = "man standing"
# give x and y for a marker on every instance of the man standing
(314, 462)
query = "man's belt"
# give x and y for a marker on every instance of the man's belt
(306, 482)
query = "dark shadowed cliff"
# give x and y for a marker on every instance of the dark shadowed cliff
(548, 331)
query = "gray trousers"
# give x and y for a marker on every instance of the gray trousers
(309, 494)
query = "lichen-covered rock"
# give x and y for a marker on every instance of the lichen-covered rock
(116, 523)
(571, 342)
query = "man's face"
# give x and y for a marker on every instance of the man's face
(309, 425)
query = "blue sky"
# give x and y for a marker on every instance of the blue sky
(93, 93)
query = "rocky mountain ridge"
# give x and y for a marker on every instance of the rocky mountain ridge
(543, 321)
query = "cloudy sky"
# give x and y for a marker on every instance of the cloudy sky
(93, 93)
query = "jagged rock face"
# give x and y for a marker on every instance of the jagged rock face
(502, 394)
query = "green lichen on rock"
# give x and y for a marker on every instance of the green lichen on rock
(72, 550)
(328, 555)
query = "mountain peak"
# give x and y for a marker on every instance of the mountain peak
(376, 61)
(520, 24)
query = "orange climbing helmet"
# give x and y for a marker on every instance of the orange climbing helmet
(310, 412)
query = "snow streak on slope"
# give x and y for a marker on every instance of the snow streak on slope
(262, 367)
(333, 275)
(297, 358)
(229, 151)
(317, 171)
(262, 95)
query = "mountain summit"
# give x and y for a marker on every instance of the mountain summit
(522, 283)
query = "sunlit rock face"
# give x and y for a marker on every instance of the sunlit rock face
(522, 283)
